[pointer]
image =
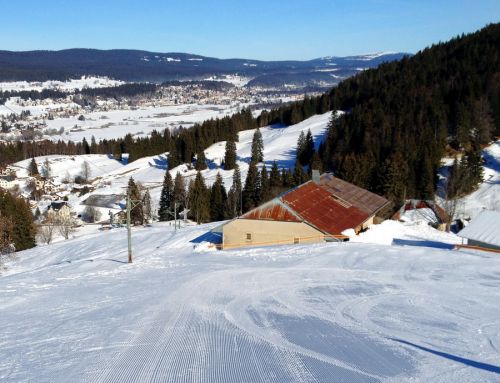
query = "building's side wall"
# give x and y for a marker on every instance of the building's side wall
(264, 232)
(365, 224)
(473, 242)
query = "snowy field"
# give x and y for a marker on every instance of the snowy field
(352, 312)
(140, 122)
(117, 123)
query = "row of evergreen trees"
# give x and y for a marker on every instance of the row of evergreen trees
(216, 203)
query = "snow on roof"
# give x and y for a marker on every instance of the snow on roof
(484, 228)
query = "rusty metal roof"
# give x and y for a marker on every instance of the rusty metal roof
(331, 206)
(274, 210)
(320, 209)
(362, 199)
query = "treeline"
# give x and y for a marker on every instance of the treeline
(31, 94)
(120, 91)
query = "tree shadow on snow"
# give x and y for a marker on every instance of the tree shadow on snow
(160, 162)
(467, 362)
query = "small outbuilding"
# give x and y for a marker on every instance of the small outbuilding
(414, 210)
(318, 210)
(484, 230)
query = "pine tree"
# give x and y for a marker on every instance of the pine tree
(286, 178)
(33, 168)
(199, 200)
(308, 148)
(474, 165)
(218, 198)
(265, 186)
(230, 155)
(274, 177)
(86, 147)
(394, 175)
(6, 239)
(201, 162)
(17, 212)
(136, 213)
(301, 146)
(179, 195)
(257, 147)
(316, 162)
(173, 157)
(251, 191)
(234, 196)
(299, 176)
(93, 145)
(166, 197)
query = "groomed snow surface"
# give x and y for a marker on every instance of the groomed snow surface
(351, 312)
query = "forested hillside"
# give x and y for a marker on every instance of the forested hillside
(404, 115)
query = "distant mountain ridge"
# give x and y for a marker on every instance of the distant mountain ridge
(138, 65)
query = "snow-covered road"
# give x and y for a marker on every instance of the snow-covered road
(74, 312)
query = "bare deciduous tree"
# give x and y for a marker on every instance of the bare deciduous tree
(46, 232)
(65, 227)
(46, 170)
(86, 171)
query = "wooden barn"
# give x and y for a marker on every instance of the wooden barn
(318, 210)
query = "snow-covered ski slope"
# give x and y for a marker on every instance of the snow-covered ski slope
(75, 312)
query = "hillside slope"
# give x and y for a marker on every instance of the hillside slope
(136, 65)
(74, 311)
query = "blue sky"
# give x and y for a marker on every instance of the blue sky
(260, 29)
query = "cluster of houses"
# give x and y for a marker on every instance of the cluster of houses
(45, 187)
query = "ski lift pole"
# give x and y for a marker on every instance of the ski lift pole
(129, 232)
(175, 216)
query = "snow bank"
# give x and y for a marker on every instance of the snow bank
(388, 231)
